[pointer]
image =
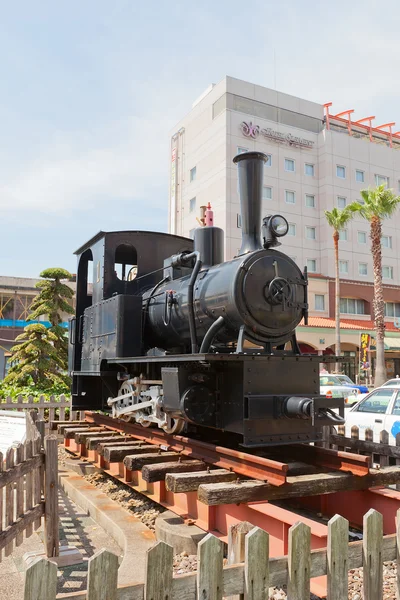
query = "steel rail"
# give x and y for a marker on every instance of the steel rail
(249, 465)
(242, 463)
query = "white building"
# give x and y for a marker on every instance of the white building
(316, 161)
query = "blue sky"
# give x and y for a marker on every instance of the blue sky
(89, 91)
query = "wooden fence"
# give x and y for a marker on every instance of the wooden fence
(248, 580)
(47, 408)
(28, 489)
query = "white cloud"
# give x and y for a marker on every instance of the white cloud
(79, 170)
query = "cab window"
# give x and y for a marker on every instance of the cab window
(377, 402)
(396, 406)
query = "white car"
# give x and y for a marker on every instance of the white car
(331, 386)
(392, 382)
(379, 410)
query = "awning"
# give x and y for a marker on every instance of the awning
(392, 343)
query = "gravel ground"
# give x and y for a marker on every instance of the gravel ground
(147, 511)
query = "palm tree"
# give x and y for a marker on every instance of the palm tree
(378, 204)
(338, 219)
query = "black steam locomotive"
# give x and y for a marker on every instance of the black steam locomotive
(171, 334)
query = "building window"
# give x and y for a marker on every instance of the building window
(340, 172)
(289, 165)
(359, 176)
(192, 204)
(268, 162)
(290, 197)
(319, 302)
(292, 229)
(341, 202)
(309, 169)
(343, 235)
(267, 192)
(392, 309)
(362, 269)
(193, 174)
(381, 180)
(239, 220)
(352, 306)
(362, 237)
(311, 265)
(241, 149)
(310, 201)
(386, 241)
(191, 233)
(343, 267)
(387, 272)
(311, 233)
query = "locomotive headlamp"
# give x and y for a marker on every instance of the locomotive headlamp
(273, 227)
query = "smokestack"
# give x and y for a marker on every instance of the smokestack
(250, 171)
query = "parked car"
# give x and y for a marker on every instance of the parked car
(347, 381)
(392, 382)
(379, 410)
(331, 386)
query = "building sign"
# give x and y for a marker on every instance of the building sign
(365, 343)
(253, 131)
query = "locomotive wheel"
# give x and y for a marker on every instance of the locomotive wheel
(174, 426)
(128, 388)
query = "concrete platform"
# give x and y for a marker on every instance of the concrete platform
(173, 530)
(131, 535)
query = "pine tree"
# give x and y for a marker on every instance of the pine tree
(35, 359)
(52, 302)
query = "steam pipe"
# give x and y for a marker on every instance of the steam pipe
(211, 333)
(250, 172)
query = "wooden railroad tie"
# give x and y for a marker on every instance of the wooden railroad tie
(93, 443)
(157, 472)
(83, 436)
(63, 426)
(54, 425)
(135, 462)
(189, 482)
(128, 441)
(69, 433)
(303, 485)
(113, 454)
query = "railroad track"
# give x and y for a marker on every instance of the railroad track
(215, 486)
(220, 475)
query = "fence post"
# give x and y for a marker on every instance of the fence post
(210, 565)
(337, 558)
(29, 484)
(372, 555)
(41, 581)
(9, 499)
(256, 568)
(51, 496)
(236, 547)
(103, 576)
(159, 565)
(299, 562)
(19, 453)
(40, 426)
(384, 439)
